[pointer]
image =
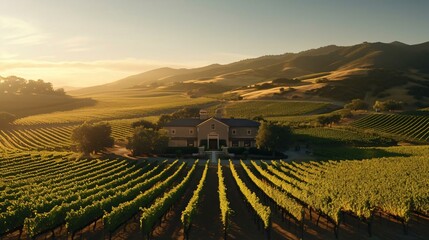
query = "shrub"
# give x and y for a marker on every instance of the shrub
(356, 104)
(322, 80)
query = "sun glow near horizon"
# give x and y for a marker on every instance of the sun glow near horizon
(78, 74)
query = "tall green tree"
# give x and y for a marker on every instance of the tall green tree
(148, 140)
(92, 137)
(273, 136)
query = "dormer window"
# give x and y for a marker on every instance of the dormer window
(213, 127)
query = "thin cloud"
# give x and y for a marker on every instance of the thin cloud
(15, 31)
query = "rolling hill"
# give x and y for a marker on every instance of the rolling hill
(22, 97)
(26, 105)
(368, 70)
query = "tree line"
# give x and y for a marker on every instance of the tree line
(17, 85)
(379, 106)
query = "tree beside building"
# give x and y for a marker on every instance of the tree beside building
(273, 137)
(148, 141)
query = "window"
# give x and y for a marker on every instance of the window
(234, 143)
(247, 143)
(213, 127)
(249, 132)
(173, 131)
(191, 131)
(234, 132)
(190, 143)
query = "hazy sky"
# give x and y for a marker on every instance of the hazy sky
(87, 42)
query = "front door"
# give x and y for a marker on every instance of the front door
(212, 144)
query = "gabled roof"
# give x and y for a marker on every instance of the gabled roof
(213, 118)
(187, 122)
(193, 122)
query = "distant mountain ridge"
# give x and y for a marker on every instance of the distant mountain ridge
(336, 62)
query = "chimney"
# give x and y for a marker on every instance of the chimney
(218, 113)
(203, 114)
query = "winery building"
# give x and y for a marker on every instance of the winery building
(212, 132)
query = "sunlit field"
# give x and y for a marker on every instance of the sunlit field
(118, 105)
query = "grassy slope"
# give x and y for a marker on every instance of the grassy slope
(273, 108)
(118, 105)
(26, 105)
(340, 65)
